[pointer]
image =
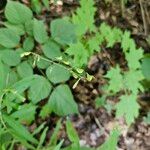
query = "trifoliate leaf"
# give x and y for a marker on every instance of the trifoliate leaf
(57, 73)
(128, 107)
(39, 31)
(133, 58)
(51, 49)
(39, 89)
(63, 31)
(25, 113)
(61, 101)
(8, 38)
(115, 79)
(10, 57)
(17, 13)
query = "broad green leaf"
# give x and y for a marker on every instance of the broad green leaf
(10, 57)
(115, 79)
(19, 29)
(146, 67)
(57, 73)
(39, 31)
(128, 107)
(28, 44)
(63, 31)
(61, 101)
(111, 143)
(8, 38)
(25, 113)
(24, 69)
(51, 49)
(19, 129)
(17, 13)
(39, 89)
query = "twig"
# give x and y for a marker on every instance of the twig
(143, 17)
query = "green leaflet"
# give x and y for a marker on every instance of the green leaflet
(51, 49)
(10, 57)
(17, 13)
(57, 73)
(19, 29)
(24, 69)
(39, 31)
(8, 38)
(61, 101)
(39, 89)
(63, 31)
(28, 44)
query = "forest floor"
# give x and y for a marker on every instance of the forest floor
(94, 125)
